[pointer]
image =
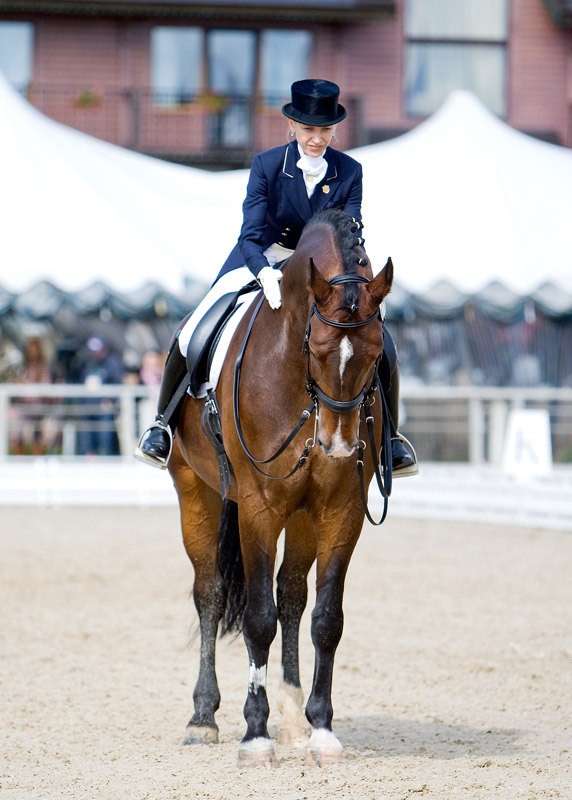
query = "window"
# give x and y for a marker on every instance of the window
(16, 53)
(284, 58)
(232, 63)
(455, 44)
(176, 64)
(232, 60)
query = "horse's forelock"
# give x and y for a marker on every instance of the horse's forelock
(344, 229)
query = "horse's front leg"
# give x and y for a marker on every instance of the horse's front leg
(292, 595)
(259, 531)
(334, 553)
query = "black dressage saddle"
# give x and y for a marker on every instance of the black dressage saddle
(207, 335)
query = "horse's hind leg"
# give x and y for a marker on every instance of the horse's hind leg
(292, 595)
(200, 513)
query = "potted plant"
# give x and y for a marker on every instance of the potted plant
(87, 98)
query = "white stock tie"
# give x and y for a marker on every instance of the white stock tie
(313, 169)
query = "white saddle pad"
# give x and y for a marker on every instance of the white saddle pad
(242, 306)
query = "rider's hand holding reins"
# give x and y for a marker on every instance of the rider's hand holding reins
(269, 278)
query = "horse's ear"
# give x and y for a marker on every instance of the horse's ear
(380, 286)
(317, 284)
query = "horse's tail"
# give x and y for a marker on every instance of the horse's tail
(231, 569)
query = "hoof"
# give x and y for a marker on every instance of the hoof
(323, 748)
(294, 737)
(294, 728)
(201, 734)
(257, 752)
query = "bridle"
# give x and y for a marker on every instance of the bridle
(318, 397)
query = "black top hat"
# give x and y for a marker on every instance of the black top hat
(315, 102)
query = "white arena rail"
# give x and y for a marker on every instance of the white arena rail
(460, 424)
(459, 432)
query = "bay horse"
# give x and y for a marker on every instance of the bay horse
(324, 343)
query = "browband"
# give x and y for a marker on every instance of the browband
(346, 277)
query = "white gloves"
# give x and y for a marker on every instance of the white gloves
(269, 278)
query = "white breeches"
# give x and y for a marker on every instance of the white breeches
(229, 282)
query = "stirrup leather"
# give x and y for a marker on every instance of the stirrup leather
(154, 461)
(412, 469)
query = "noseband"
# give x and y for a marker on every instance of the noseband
(320, 397)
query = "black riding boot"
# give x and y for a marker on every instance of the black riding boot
(403, 456)
(156, 442)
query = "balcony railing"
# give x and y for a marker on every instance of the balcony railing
(218, 129)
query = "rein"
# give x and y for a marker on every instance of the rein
(306, 414)
(364, 399)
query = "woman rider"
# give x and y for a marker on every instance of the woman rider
(287, 186)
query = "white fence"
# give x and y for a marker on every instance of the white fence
(468, 423)
(447, 424)
(40, 419)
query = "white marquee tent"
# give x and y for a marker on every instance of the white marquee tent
(467, 198)
(75, 209)
(462, 197)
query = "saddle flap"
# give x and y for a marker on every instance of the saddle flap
(203, 338)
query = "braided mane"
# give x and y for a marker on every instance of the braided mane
(344, 228)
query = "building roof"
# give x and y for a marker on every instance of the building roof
(281, 10)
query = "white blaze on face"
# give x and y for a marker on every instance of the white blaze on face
(346, 352)
(338, 446)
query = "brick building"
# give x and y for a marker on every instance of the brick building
(203, 81)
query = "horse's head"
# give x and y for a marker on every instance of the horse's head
(344, 343)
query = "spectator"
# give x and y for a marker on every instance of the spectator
(131, 368)
(36, 432)
(10, 361)
(152, 364)
(101, 367)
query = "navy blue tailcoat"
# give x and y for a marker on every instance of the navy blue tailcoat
(277, 206)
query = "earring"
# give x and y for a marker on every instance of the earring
(291, 134)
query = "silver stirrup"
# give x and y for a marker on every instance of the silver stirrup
(159, 463)
(414, 468)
